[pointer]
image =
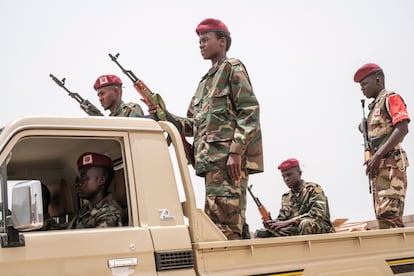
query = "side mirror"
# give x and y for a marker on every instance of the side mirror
(27, 205)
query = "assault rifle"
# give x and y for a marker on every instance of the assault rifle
(155, 100)
(262, 210)
(367, 143)
(86, 106)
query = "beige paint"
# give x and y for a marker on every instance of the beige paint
(47, 148)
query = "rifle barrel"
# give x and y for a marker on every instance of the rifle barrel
(129, 73)
(367, 147)
(85, 105)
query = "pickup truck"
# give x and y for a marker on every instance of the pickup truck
(161, 233)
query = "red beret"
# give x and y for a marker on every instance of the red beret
(210, 25)
(365, 71)
(106, 80)
(288, 164)
(94, 159)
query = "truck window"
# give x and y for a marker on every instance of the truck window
(53, 161)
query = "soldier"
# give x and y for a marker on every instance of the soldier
(304, 208)
(387, 124)
(223, 118)
(109, 91)
(95, 175)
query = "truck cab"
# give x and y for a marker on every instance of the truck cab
(153, 236)
(162, 232)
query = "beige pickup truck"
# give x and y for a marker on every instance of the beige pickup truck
(161, 233)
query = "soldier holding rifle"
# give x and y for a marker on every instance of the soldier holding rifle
(304, 209)
(387, 125)
(223, 117)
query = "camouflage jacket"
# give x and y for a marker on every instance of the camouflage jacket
(128, 110)
(107, 213)
(309, 202)
(385, 111)
(223, 117)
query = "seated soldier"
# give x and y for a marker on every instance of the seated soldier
(96, 173)
(304, 208)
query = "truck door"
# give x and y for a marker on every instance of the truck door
(51, 158)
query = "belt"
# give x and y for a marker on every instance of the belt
(393, 153)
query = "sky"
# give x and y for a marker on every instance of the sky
(301, 57)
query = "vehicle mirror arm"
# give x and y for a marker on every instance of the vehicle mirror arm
(12, 238)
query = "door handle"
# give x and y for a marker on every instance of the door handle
(122, 267)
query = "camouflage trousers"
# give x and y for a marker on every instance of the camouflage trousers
(389, 189)
(306, 226)
(226, 203)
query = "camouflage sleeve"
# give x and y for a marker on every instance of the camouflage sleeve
(317, 202)
(246, 108)
(184, 125)
(284, 212)
(109, 216)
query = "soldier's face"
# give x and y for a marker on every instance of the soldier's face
(108, 96)
(370, 86)
(210, 45)
(292, 177)
(90, 182)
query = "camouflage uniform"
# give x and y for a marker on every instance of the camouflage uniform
(310, 208)
(107, 213)
(223, 118)
(389, 186)
(128, 110)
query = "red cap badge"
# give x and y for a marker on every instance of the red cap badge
(106, 80)
(94, 159)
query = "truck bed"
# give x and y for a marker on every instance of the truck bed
(370, 252)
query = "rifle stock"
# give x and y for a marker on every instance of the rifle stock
(262, 209)
(85, 105)
(367, 143)
(154, 99)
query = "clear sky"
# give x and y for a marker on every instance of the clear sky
(301, 57)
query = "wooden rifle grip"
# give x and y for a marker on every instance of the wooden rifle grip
(367, 155)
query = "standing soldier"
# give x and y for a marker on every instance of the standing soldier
(223, 118)
(109, 90)
(387, 124)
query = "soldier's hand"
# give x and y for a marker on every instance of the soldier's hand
(277, 225)
(234, 167)
(266, 223)
(152, 109)
(372, 164)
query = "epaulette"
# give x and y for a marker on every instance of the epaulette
(233, 61)
(317, 188)
(131, 105)
(311, 184)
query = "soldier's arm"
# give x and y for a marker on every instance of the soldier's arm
(318, 205)
(109, 217)
(184, 125)
(246, 108)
